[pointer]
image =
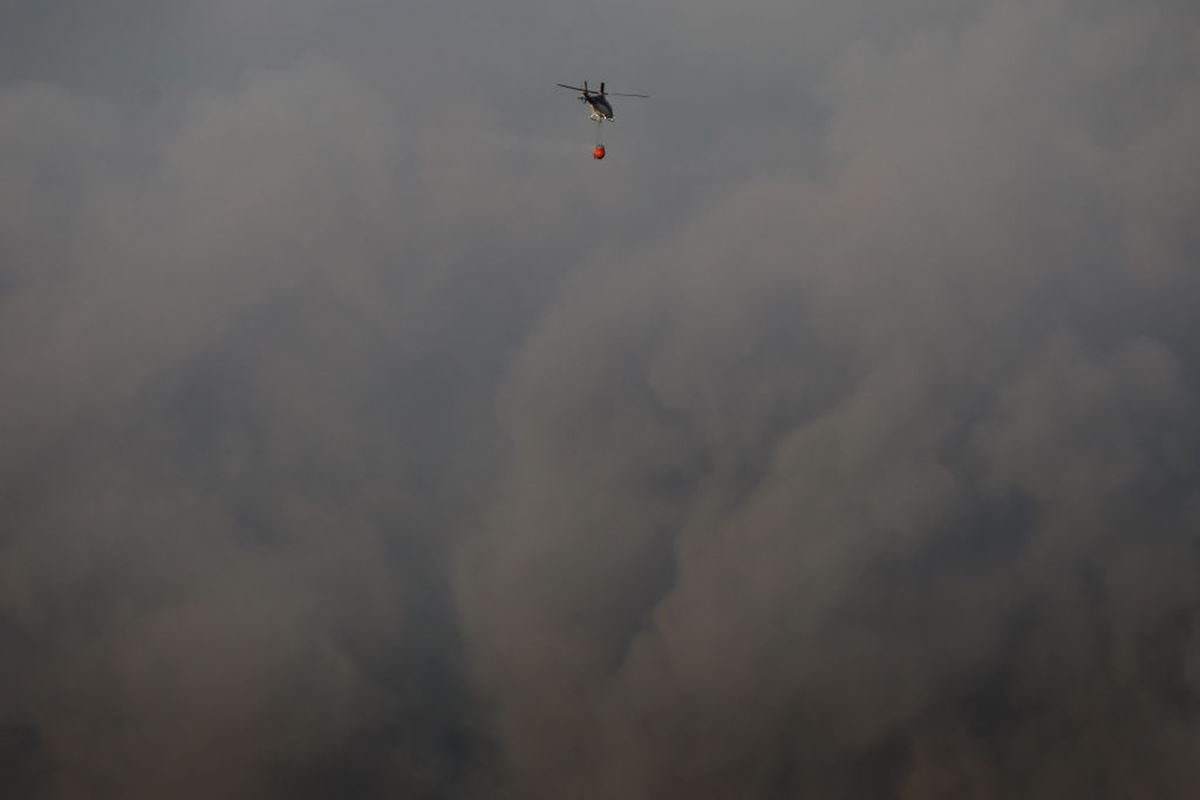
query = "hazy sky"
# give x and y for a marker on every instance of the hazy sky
(838, 436)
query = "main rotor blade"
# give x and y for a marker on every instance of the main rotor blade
(565, 86)
(624, 94)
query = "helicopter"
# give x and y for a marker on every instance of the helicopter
(600, 107)
(598, 101)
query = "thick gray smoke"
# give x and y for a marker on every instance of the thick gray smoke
(838, 436)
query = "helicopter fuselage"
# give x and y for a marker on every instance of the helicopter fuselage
(601, 109)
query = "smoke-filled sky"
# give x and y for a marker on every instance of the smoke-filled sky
(838, 436)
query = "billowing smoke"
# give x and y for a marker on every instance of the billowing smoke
(836, 437)
(880, 483)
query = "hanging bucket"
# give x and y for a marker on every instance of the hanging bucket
(598, 153)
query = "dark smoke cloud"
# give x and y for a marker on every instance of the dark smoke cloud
(881, 483)
(836, 437)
